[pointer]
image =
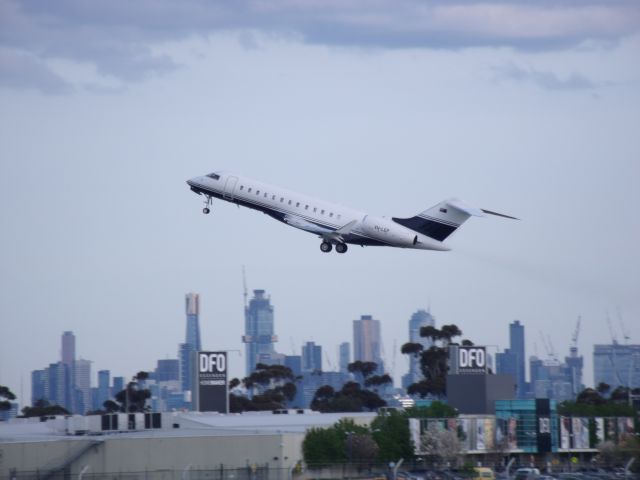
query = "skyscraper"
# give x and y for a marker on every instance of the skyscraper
(192, 308)
(366, 340)
(259, 334)
(82, 393)
(344, 354)
(38, 385)
(57, 385)
(118, 385)
(68, 358)
(167, 370)
(68, 352)
(616, 365)
(419, 319)
(104, 379)
(186, 350)
(311, 357)
(512, 360)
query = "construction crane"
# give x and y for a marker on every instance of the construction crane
(625, 332)
(548, 346)
(574, 339)
(614, 340)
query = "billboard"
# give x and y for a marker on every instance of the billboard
(472, 360)
(212, 393)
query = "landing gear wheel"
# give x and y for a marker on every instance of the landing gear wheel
(207, 202)
(326, 247)
(341, 247)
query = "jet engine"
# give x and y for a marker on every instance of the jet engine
(388, 231)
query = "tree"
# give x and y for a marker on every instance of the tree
(378, 380)
(351, 398)
(435, 410)
(42, 408)
(391, 433)
(441, 445)
(362, 369)
(620, 394)
(272, 387)
(411, 348)
(6, 396)
(603, 388)
(110, 406)
(133, 398)
(323, 446)
(434, 360)
(343, 441)
(590, 403)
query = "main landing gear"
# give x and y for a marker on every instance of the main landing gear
(326, 247)
(341, 248)
(207, 202)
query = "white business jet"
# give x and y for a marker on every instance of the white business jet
(335, 224)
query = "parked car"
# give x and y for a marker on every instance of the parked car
(483, 473)
(527, 474)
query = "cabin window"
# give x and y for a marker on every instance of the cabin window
(331, 214)
(281, 199)
(297, 204)
(215, 176)
(339, 216)
(257, 192)
(315, 209)
(241, 187)
(249, 190)
(289, 202)
(321, 212)
(265, 194)
(273, 197)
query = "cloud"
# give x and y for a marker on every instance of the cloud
(23, 71)
(545, 80)
(117, 36)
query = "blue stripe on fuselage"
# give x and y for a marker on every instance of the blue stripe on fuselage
(356, 238)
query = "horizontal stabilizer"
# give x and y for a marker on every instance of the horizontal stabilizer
(489, 212)
(463, 207)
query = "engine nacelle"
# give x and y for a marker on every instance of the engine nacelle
(388, 231)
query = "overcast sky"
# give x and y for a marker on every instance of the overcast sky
(107, 107)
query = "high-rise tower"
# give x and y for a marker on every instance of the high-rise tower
(512, 360)
(68, 359)
(311, 357)
(259, 334)
(344, 354)
(419, 319)
(186, 350)
(82, 380)
(366, 340)
(192, 309)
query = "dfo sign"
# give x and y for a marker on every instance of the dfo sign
(211, 382)
(472, 360)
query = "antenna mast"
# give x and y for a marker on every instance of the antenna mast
(244, 285)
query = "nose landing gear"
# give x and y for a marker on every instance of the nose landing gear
(207, 202)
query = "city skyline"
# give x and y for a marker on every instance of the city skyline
(526, 109)
(420, 316)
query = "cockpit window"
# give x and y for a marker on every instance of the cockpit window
(215, 176)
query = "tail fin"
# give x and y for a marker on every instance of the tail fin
(441, 220)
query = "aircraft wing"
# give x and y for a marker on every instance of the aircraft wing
(326, 233)
(305, 225)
